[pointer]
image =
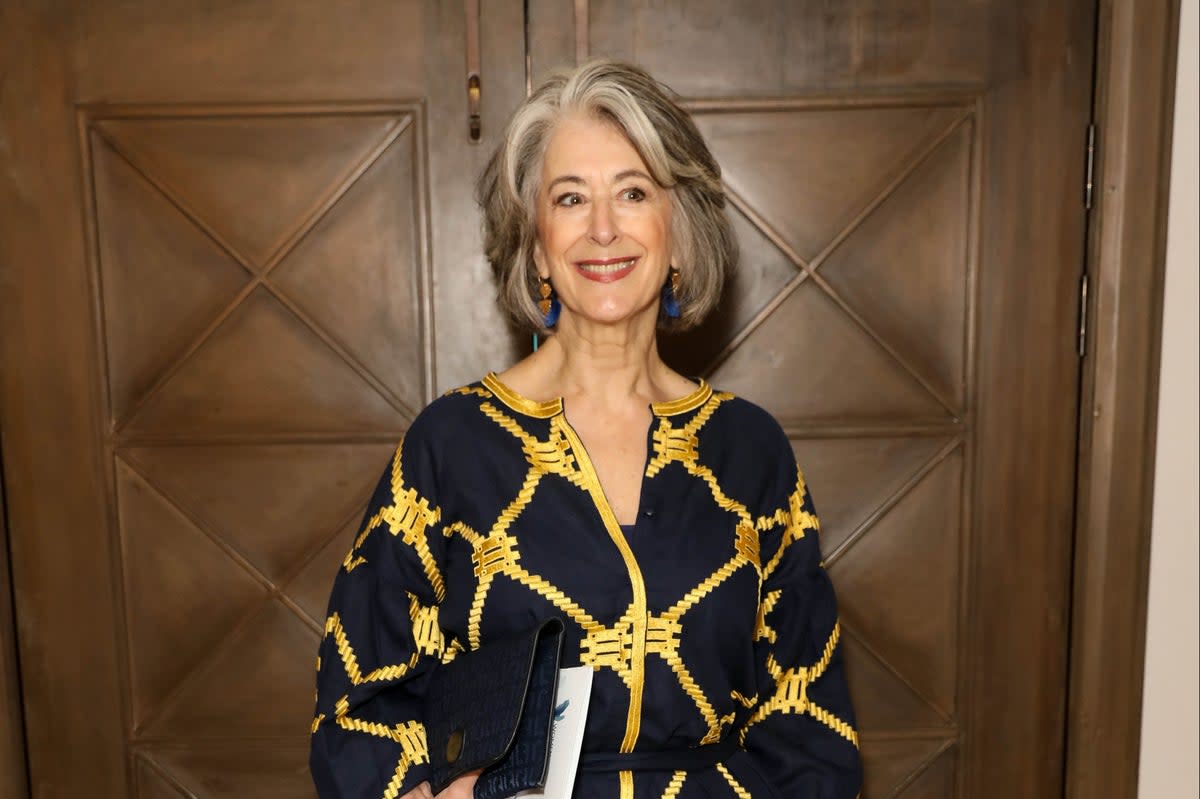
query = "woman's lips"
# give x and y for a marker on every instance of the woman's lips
(606, 271)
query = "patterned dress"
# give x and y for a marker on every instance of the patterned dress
(711, 620)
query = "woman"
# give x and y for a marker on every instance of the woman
(666, 523)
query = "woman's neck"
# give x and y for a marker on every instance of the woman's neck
(605, 366)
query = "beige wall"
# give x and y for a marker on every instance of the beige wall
(1170, 726)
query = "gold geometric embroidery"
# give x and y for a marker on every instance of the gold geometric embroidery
(670, 445)
(624, 646)
(478, 391)
(680, 444)
(797, 522)
(746, 545)
(409, 515)
(674, 786)
(761, 628)
(744, 701)
(609, 647)
(409, 734)
(413, 750)
(494, 553)
(741, 792)
(791, 692)
(427, 633)
(333, 626)
(590, 482)
(637, 634)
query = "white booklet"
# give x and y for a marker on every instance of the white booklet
(566, 736)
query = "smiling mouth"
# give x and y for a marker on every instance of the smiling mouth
(607, 270)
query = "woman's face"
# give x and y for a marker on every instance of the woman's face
(604, 226)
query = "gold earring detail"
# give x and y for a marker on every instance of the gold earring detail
(544, 290)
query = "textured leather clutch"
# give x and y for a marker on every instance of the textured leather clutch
(492, 709)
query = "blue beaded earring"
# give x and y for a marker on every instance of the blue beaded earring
(548, 304)
(670, 289)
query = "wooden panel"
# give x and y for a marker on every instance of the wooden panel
(277, 255)
(13, 777)
(1136, 72)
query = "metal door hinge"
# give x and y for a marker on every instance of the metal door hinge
(1083, 315)
(1088, 184)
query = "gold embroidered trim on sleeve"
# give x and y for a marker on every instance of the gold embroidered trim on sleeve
(333, 626)
(408, 516)
(741, 792)
(791, 692)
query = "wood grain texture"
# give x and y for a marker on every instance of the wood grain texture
(13, 773)
(62, 554)
(1134, 99)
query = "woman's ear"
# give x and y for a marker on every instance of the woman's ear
(539, 261)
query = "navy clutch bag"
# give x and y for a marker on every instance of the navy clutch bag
(493, 709)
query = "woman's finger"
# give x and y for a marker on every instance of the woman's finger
(463, 787)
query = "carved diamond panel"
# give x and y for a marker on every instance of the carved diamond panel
(858, 218)
(252, 180)
(263, 277)
(809, 173)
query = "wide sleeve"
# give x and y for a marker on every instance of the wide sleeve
(382, 639)
(801, 730)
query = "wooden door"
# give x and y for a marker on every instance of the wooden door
(243, 254)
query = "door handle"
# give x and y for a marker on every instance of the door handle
(474, 85)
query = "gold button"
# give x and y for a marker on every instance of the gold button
(454, 746)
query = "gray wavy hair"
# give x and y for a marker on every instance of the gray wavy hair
(666, 138)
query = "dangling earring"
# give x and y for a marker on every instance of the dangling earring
(670, 292)
(548, 304)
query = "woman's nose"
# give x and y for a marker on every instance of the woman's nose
(603, 227)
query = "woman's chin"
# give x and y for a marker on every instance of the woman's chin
(613, 316)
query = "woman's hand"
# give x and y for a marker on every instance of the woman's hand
(461, 788)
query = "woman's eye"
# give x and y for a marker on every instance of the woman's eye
(636, 195)
(568, 199)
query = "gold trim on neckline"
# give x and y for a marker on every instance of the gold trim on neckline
(685, 403)
(553, 407)
(538, 410)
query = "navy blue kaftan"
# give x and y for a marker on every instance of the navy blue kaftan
(712, 618)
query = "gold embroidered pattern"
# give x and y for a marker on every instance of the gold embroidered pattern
(333, 626)
(626, 783)
(675, 785)
(637, 608)
(741, 792)
(796, 520)
(744, 701)
(791, 692)
(409, 516)
(465, 391)
(624, 646)
(427, 633)
(414, 750)
(761, 628)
